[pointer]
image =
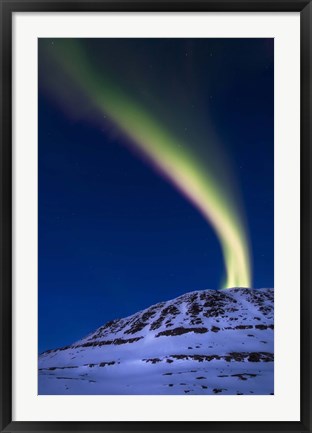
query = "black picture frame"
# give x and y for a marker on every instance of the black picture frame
(8, 7)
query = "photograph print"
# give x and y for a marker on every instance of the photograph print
(156, 216)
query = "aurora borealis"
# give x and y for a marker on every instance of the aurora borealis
(175, 160)
(161, 105)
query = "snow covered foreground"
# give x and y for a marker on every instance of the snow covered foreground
(204, 342)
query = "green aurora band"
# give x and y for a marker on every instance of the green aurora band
(171, 156)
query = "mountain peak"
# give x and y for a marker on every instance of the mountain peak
(192, 327)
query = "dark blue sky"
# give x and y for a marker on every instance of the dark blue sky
(114, 236)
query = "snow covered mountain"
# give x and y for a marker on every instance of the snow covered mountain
(203, 342)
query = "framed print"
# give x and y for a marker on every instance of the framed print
(155, 216)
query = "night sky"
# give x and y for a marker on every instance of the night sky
(115, 236)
